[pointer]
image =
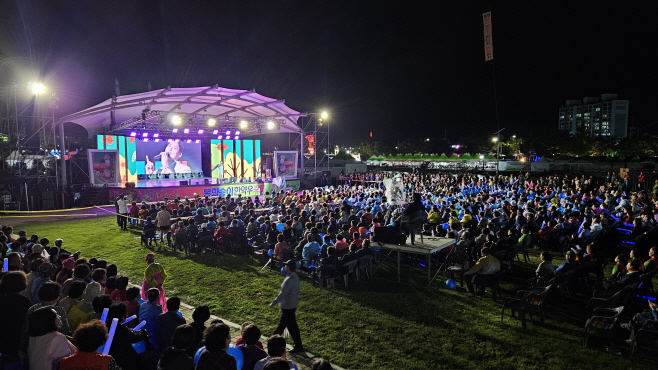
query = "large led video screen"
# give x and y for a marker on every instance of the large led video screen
(166, 157)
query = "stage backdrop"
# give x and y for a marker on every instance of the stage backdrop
(235, 158)
(188, 154)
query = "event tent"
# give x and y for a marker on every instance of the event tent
(153, 110)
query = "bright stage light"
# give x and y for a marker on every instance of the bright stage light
(156, 135)
(189, 141)
(324, 114)
(219, 137)
(243, 124)
(228, 137)
(177, 140)
(169, 140)
(270, 125)
(495, 139)
(133, 134)
(146, 140)
(176, 120)
(237, 133)
(228, 132)
(186, 131)
(146, 134)
(200, 132)
(215, 132)
(36, 88)
(174, 130)
(157, 140)
(211, 121)
(197, 141)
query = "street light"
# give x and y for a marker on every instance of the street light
(324, 114)
(428, 139)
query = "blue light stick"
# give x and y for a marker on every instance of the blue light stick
(110, 336)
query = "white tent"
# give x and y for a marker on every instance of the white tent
(195, 106)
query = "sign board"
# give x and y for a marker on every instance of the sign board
(488, 43)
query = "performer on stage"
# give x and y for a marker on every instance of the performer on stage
(154, 277)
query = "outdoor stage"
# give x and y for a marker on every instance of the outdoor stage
(168, 189)
(427, 248)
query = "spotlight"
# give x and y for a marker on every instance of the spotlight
(189, 141)
(197, 141)
(215, 132)
(270, 125)
(324, 114)
(157, 140)
(177, 140)
(156, 135)
(200, 132)
(243, 124)
(176, 120)
(146, 140)
(237, 133)
(36, 88)
(211, 121)
(228, 132)
(174, 130)
(169, 140)
(146, 134)
(133, 134)
(186, 131)
(228, 137)
(219, 137)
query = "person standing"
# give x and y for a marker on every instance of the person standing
(154, 277)
(287, 300)
(163, 221)
(123, 212)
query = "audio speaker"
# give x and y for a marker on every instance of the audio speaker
(130, 184)
(47, 195)
(389, 234)
(183, 183)
(48, 204)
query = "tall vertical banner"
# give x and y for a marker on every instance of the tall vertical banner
(285, 164)
(488, 43)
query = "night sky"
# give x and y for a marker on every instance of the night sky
(399, 69)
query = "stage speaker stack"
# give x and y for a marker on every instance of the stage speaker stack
(47, 200)
(130, 184)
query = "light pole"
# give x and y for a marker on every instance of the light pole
(497, 141)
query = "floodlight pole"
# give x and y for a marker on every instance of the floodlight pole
(497, 133)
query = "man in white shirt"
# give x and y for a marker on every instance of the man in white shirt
(123, 211)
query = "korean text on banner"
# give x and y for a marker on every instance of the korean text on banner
(488, 43)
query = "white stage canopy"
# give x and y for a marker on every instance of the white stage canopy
(243, 110)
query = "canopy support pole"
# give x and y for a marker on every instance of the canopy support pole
(62, 151)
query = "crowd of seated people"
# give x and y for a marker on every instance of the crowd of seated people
(52, 302)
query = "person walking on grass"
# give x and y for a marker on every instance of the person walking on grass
(287, 300)
(154, 277)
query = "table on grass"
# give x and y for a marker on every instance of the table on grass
(427, 247)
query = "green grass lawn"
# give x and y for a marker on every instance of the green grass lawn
(376, 324)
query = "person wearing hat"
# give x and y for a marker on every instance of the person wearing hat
(287, 300)
(568, 265)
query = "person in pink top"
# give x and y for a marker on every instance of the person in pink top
(341, 246)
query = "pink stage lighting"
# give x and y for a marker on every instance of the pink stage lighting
(169, 140)
(237, 133)
(197, 141)
(174, 130)
(219, 137)
(156, 135)
(228, 137)
(157, 140)
(146, 140)
(215, 132)
(133, 134)
(228, 132)
(189, 141)
(200, 132)
(186, 131)
(177, 140)
(146, 134)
